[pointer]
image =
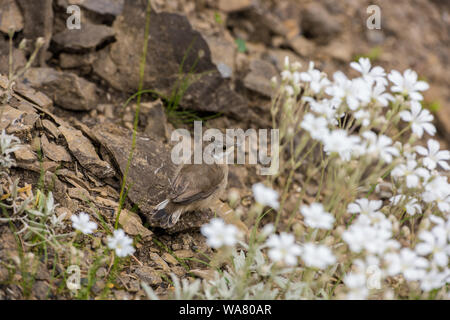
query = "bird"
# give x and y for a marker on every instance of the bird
(193, 187)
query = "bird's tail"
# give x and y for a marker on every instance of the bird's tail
(166, 214)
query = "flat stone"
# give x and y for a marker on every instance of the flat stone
(184, 254)
(302, 46)
(31, 94)
(25, 154)
(103, 7)
(132, 225)
(159, 261)
(148, 275)
(88, 37)
(259, 77)
(79, 193)
(85, 153)
(203, 273)
(9, 116)
(67, 89)
(51, 128)
(53, 151)
(169, 258)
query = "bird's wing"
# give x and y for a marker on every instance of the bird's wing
(195, 182)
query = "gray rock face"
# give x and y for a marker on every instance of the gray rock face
(103, 7)
(172, 44)
(88, 37)
(150, 168)
(318, 24)
(258, 79)
(84, 152)
(68, 90)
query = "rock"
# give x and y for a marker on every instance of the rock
(79, 194)
(223, 52)
(98, 286)
(37, 97)
(184, 254)
(233, 5)
(156, 120)
(206, 274)
(121, 295)
(132, 225)
(148, 275)
(68, 90)
(102, 7)
(159, 261)
(85, 153)
(51, 128)
(258, 79)
(318, 24)
(302, 46)
(10, 16)
(75, 61)
(172, 43)
(169, 258)
(277, 56)
(89, 36)
(40, 289)
(53, 151)
(9, 116)
(25, 154)
(339, 51)
(151, 166)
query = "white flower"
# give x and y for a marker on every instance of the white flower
(317, 256)
(377, 73)
(434, 279)
(317, 127)
(82, 223)
(407, 84)
(8, 145)
(354, 92)
(326, 108)
(438, 191)
(356, 282)
(435, 243)
(317, 217)
(121, 243)
(364, 206)
(408, 263)
(411, 172)
(420, 119)
(265, 196)
(434, 156)
(412, 206)
(219, 234)
(371, 232)
(283, 248)
(317, 80)
(340, 142)
(380, 146)
(378, 94)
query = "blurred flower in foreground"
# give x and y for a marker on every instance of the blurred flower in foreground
(265, 196)
(283, 248)
(121, 243)
(420, 119)
(317, 217)
(219, 234)
(317, 256)
(434, 156)
(83, 224)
